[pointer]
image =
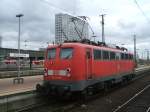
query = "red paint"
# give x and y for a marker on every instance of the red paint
(82, 68)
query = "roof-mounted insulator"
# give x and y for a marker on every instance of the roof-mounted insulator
(87, 41)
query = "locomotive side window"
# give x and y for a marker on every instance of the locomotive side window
(66, 53)
(122, 56)
(97, 54)
(118, 56)
(105, 55)
(51, 53)
(112, 55)
(130, 56)
(126, 56)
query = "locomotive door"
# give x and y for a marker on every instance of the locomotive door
(88, 63)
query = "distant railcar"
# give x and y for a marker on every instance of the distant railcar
(75, 67)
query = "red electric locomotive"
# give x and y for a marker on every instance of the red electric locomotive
(75, 67)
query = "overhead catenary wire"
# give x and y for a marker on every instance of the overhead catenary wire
(54, 6)
(76, 29)
(59, 8)
(83, 18)
(141, 10)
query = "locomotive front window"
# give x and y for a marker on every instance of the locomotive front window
(51, 53)
(66, 53)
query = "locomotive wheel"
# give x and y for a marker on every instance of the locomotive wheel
(107, 85)
(126, 79)
(124, 82)
(42, 90)
(90, 91)
(38, 88)
(84, 94)
(67, 96)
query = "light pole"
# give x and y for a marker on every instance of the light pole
(103, 35)
(19, 79)
(147, 50)
(135, 48)
(25, 51)
(137, 56)
(25, 44)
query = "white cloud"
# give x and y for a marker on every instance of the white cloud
(122, 20)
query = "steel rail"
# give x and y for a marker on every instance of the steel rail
(148, 109)
(32, 106)
(132, 98)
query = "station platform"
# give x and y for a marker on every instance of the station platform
(7, 87)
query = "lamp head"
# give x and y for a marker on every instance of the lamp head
(19, 15)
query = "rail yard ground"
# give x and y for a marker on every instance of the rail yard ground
(108, 101)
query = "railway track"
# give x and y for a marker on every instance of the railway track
(21, 101)
(112, 100)
(49, 105)
(140, 102)
(58, 106)
(134, 102)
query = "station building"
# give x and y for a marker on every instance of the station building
(33, 54)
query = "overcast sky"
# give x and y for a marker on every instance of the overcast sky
(122, 20)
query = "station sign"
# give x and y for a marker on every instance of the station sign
(18, 55)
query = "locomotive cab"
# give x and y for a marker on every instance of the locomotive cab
(57, 64)
(62, 68)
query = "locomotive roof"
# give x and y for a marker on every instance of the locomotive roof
(89, 46)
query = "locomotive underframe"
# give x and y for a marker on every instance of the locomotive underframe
(62, 87)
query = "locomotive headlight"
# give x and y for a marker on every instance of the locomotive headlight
(68, 72)
(50, 72)
(45, 71)
(63, 72)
